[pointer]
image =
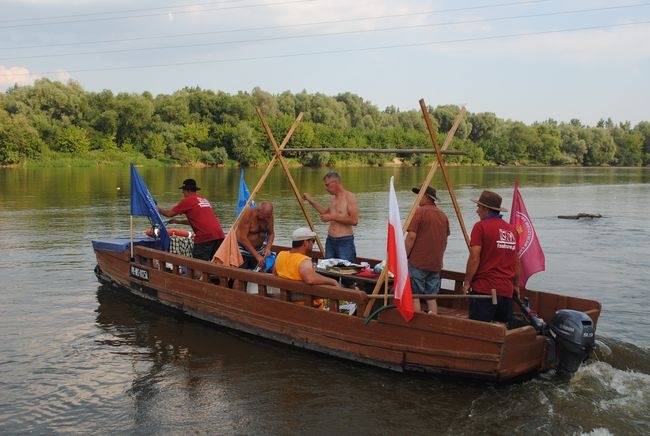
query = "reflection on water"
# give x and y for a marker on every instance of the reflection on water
(75, 358)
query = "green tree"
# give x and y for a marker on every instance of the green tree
(484, 126)
(18, 139)
(72, 139)
(629, 146)
(245, 146)
(134, 119)
(154, 146)
(644, 130)
(600, 147)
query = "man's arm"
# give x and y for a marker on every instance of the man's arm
(270, 236)
(171, 213)
(409, 242)
(316, 205)
(472, 266)
(166, 212)
(311, 277)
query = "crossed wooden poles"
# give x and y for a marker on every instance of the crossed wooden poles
(229, 245)
(382, 281)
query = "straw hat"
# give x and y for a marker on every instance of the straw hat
(429, 192)
(491, 200)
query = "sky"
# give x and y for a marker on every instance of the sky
(522, 60)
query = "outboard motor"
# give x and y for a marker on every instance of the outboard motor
(574, 337)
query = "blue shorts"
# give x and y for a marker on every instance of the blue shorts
(424, 282)
(341, 248)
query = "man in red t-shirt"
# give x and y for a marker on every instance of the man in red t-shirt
(425, 245)
(208, 234)
(493, 261)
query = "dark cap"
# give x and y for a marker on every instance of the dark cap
(491, 200)
(429, 192)
(189, 184)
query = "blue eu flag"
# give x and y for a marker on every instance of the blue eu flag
(143, 204)
(244, 194)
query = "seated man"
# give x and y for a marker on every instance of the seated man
(296, 265)
(255, 235)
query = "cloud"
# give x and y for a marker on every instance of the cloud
(10, 76)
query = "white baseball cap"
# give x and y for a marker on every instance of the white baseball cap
(302, 234)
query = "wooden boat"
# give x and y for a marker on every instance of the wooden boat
(448, 343)
(282, 310)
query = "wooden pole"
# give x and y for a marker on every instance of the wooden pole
(438, 296)
(294, 187)
(269, 167)
(416, 203)
(370, 150)
(132, 236)
(443, 168)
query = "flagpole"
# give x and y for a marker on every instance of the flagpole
(294, 187)
(132, 236)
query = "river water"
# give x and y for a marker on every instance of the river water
(78, 358)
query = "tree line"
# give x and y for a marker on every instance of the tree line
(50, 120)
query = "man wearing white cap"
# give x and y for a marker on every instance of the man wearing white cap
(296, 265)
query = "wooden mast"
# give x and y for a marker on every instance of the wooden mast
(294, 187)
(443, 168)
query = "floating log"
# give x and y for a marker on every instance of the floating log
(580, 215)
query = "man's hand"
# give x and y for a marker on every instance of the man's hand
(466, 286)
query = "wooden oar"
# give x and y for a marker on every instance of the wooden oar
(443, 168)
(223, 253)
(269, 167)
(434, 166)
(439, 296)
(285, 167)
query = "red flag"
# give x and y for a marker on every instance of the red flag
(531, 256)
(397, 261)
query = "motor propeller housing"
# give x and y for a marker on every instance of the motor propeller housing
(574, 336)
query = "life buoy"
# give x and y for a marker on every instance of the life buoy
(154, 233)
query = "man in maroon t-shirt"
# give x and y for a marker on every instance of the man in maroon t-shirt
(425, 245)
(493, 261)
(208, 234)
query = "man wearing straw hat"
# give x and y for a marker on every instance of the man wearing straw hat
(208, 234)
(425, 245)
(493, 262)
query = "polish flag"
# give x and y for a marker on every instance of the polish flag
(397, 261)
(531, 256)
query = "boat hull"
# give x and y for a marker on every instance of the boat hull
(281, 310)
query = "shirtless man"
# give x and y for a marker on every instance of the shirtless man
(342, 215)
(255, 235)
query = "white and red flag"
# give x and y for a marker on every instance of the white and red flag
(531, 256)
(397, 260)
